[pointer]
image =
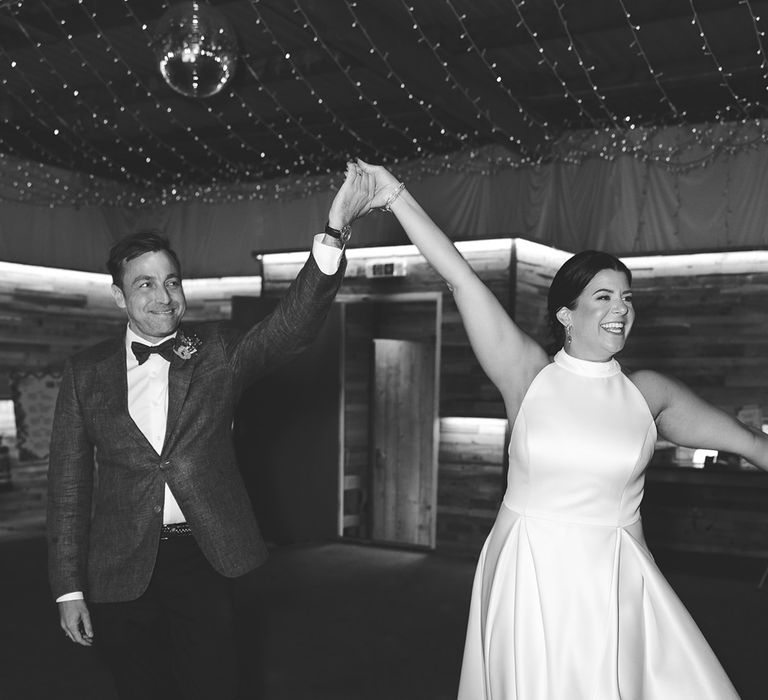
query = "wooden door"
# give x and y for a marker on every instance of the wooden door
(403, 442)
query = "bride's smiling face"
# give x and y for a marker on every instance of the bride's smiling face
(602, 317)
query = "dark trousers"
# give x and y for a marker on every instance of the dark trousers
(177, 639)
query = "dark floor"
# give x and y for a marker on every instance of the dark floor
(343, 622)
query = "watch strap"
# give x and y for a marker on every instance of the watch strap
(342, 234)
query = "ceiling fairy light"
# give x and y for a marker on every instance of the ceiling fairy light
(426, 86)
(196, 48)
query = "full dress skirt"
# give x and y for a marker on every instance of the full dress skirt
(567, 601)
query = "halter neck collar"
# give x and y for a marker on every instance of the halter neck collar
(587, 368)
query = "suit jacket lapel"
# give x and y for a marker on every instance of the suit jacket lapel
(179, 377)
(113, 374)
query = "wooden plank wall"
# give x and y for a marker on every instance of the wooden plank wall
(708, 330)
(471, 481)
(42, 322)
(47, 315)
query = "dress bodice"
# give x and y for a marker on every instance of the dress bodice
(580, 444)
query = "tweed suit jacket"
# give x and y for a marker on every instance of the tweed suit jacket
(104, 523)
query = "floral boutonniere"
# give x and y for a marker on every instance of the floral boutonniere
(186, 345)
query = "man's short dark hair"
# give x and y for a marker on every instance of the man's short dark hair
(133, 245)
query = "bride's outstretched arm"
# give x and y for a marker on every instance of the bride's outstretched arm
(508, 356)
(686, 419)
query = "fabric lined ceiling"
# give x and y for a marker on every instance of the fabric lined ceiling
(319, 81)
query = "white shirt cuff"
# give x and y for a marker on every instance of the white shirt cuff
(77, 595)
(327, 257)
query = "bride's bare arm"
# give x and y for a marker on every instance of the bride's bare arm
(686, 419)
(508, 356)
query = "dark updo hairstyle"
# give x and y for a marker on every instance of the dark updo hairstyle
(133, 245)
(571, 279)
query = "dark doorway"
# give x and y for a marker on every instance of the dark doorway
(286, 435)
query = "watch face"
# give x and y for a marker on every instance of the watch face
(341, 235)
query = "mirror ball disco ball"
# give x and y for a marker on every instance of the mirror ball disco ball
(196, 49)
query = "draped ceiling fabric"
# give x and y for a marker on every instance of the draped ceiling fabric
(623, 205)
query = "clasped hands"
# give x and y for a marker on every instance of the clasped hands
(365, 187)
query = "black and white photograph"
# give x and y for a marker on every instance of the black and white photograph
(364, 350)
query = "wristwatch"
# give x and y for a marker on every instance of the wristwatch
(340, 235)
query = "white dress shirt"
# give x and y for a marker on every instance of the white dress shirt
(148, 386)
(148, 406)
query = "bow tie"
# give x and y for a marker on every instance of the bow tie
(142, 352)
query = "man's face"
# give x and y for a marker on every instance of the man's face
(151, 295)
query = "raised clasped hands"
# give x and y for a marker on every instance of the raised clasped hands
(365, 187)
(353, 199)
(384, 182)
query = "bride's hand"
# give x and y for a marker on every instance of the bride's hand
(354, 198)
(385, 183)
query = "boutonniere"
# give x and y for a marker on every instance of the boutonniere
(186, 345)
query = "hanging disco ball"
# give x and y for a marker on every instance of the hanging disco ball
(196, 49)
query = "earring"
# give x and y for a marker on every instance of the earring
(568, 334)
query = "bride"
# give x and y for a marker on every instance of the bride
(567, 602)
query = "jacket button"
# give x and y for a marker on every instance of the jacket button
(157, 509)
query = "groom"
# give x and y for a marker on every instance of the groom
(148, 517)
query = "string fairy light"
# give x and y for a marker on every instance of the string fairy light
(638, 46)
(63, 130)
(59, 129)
(356, 85)
(167, 155)
(242, 143)
(319, 100)
(586, 70)
(544, 59)
(228, 166)
(479, 113)
(707, 49)
(528, 118)
(290, 118)
(149, 160)
(759, 37)
(402, 83)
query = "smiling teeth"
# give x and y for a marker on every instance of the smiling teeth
(614, 327)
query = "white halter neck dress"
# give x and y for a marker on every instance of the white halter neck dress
(567, 602)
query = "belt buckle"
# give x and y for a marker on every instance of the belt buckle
(175, 530)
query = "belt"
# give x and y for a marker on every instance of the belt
(175, 530)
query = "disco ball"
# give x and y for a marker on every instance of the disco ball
(196, 49)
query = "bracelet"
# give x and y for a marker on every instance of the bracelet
(388, 204)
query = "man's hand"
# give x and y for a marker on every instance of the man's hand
(354, 198)
(75, 620)
(384, 182)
